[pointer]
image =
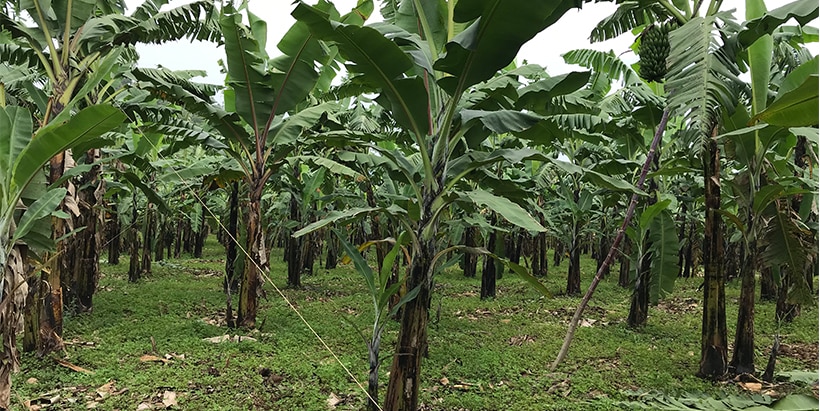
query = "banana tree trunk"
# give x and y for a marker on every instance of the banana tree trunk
(178, 237)
(768, 288)
(624, 269)
(713, 342)
(411, 344)
(134, 246)
(199, 237)
(13, 299)
(294, 249)
(558, 254)
(86, 245)
(489, 274)
(230, 258)
(744, 352)
(332, 256)
(147, 240)
(639, 309)
(48, 304)
(574, 268)
(373, 374)
(114, 238)
(470, 259)
(251, 283)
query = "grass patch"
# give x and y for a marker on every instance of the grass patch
(483, 354)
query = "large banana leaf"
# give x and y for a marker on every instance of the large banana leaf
(665, 246)
(335, 216)
(15, 133)
(38, 210)
(499, 28)
(510, 211)
(377, 61)
(795, 108)
(500, 121)
(804, 11)
(89, 123)
(784, 245)
(538, 94)
(427, 18)
(247, 71)
(697, 66)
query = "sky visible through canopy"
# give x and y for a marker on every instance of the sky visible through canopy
(569, 33)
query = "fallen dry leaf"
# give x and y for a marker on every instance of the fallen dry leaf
(91, 405)
(588, 322)
(144, 406)
(444, 381)
(752, 386)
(169, 399)
(227, 338)
(106, 389)
(32, 380)
(71, 366)
(333, 401)
(153, 358)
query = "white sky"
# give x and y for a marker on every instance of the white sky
(569, 33)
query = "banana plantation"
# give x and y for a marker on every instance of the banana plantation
(388, 210)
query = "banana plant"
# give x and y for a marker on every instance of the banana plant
(702, 84)
(23, 153)
(421, 62)
(381, 290)
(75, 49)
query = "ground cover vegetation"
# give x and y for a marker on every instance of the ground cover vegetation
(434, 160)
(147, 338)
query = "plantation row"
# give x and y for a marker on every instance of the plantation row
(435, 148)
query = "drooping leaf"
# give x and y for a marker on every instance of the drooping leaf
(499, 28)
(697, 66)
(665, 245)
(803, 11)
(40, 209)
(536, 95)
(510, 211)
(362, 268)
(88, 123)
(377, 61)
(628, 16)
(795, 108)
(15, 133)
(500, 121)
(332, 166)
(335, 216)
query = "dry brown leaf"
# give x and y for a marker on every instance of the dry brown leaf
(71, 366)
(752, 386)
(153, 358)
(169, 399)
(444, 381)
(32, 380)
(91, 405)
(333, 401)
(144, 406)
(227, 338)
(106, 389)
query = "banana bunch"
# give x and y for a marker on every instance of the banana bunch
(654, 49)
